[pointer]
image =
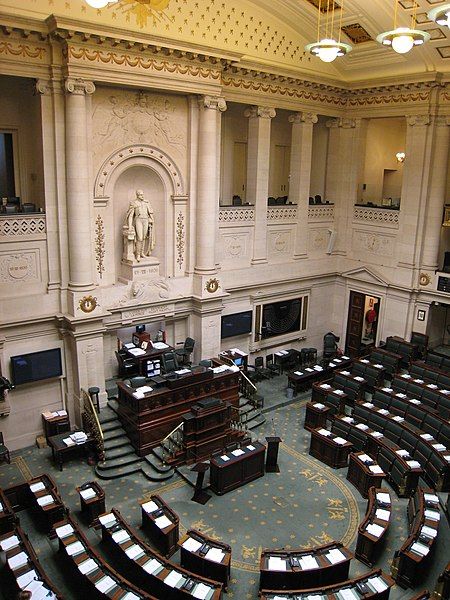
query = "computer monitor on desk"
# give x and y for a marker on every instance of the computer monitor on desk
(238, 361)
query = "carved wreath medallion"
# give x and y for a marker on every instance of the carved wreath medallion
(424, 279)
(88, 304)
(212, 285)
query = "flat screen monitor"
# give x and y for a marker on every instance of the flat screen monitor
(36, 366)
(236, 324)
(238, 361)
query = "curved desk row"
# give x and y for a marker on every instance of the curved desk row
(432, 456)
(373, 373)
(333, 397)
(148, 568)
(430, 374)
(428, 393)
(389, 360)
(8, 518)
(45, 500)
(364, 472)
(161, 524)
(22, 570)
(302, 568)
(372, 529)
(352, 385)
(329, 448)
(402, 476)
(411, 561)
(375, 585)
(205, 556)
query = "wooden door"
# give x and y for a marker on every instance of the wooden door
(355, 321)
(239, 169)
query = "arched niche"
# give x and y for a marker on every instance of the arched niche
(124, 172)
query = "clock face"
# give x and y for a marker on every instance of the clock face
(212, 285)
(88, 304)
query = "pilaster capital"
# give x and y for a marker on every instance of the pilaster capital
(420, 120)
(78, 87)
(263, 112)
(343, 123)
(213, 102)
(303, 117)
(441, 120)
(43, 87)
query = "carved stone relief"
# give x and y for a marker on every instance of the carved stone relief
(235, 245)
(374, 243)
(19, 267)
(318, 239)
(135, 293)
(280, 242)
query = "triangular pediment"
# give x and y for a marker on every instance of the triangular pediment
(366, 275)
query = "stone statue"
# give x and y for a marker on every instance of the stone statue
(140, 226)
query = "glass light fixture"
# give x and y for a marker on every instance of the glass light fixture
(402, 39)
(328, 48)
(400, 156)
(440, 14)
(100, 3)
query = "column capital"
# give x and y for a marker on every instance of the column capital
(303, 117)
(264, 112)
(420, 120)
(78, 87)
(441, 120)
(213, 102)
(43, 87)
(342, 122)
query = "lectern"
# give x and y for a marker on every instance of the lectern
(200, 495)
(272, 454)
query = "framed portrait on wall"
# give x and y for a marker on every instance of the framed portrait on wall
(421, 315)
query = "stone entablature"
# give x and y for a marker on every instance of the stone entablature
(25, 227)
(376, 216)
(321, 213)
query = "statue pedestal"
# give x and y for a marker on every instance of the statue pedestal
(147, 268)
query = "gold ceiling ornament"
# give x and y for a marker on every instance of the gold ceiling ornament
(142, 9)
(328, 48)
(402, 39)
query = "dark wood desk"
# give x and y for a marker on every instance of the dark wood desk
(304, 377)
(326, 449)
(205, 556)
(372, 529)
(376, 586)
(316, 415)
(55, 422)
(92, 501)
(46, 501)
(148, 420)
(227, 475)
(364, 472)
(150, 354)
(302, 568)
(8, 519)
(62, 452)
(154, 513)
(240, 359)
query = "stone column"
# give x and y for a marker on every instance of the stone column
(78, 186)
(258, 156)
(416, 173)
(437, 189)
(300, 175)
(345, 162)
(207, 188)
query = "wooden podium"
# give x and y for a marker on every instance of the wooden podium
(272, 454)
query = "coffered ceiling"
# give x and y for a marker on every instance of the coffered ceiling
(265, 34)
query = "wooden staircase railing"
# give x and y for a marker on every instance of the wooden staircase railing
(92, 424)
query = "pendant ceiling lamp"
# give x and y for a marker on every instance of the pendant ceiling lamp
(328, 48)
(440, 14)
(100, 3)
(402, 39)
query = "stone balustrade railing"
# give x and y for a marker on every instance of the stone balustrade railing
(283, 214)
(235, 215)
(23, 226)
(321, 213)
(376, 216)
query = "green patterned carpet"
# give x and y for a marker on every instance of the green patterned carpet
(306, 504)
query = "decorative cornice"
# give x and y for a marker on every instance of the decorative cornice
(213, 103)
(263, 112)
(79, 87)
(303, 117)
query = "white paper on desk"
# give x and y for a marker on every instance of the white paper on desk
(376, 434)
(364, 458)
(429, 531)
(339, 392)
(69, 441)
(160, 345)
(152, 565)
(250, 447)
(403, 453)
(399, 395)
(432, 386)
(47, 414)
(413, 464)
(129, 345)
(45, 500)
(364, 360)
(377, 366)
(383, 515)
(325, 386)
(378, 583)
(374, 529)
(383, 411)
(215, 554)
(134, 552)
(447, 457)
(138, 395)
(339, 441)
(440, 447)
(383, 497)
(136, 351)
(173, 578)
(433, 515)
(419, 548)
(150, 507)
(309, 370)
(418, 380)
(9, 543)
(324, 432)
(144, 389)
(406, 376)
(192, 545)
(1, 507)
(414, 401)
(298, 373)
(275, 563)
(201, 591)
(318, 368)
(34, 586)
(388, 389)
(426, 436)
(319, 405)
(37, 487)
(87, 566)
(279, 353)
(445, 391)
(398, 419)
(163, 522)
(62, 413)
(362, 426)
(335, 556)
(348, 419)
(43, 592)
(224, 457)
(25, 579)
(88, 493)
(75, 548)
(105, 584)
(64, 531)
(130, 596)
(182, 371)
(18, 560)
(308, 562)
(348, 594)
(357, 378)
(281, 598)
(107, 519)
(120, 536)
(347, 373)
(431, 498)
(237, 452)
(368, 405)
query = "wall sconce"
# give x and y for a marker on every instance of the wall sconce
(400, 156)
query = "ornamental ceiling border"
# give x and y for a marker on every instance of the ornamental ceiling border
(118, 157)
